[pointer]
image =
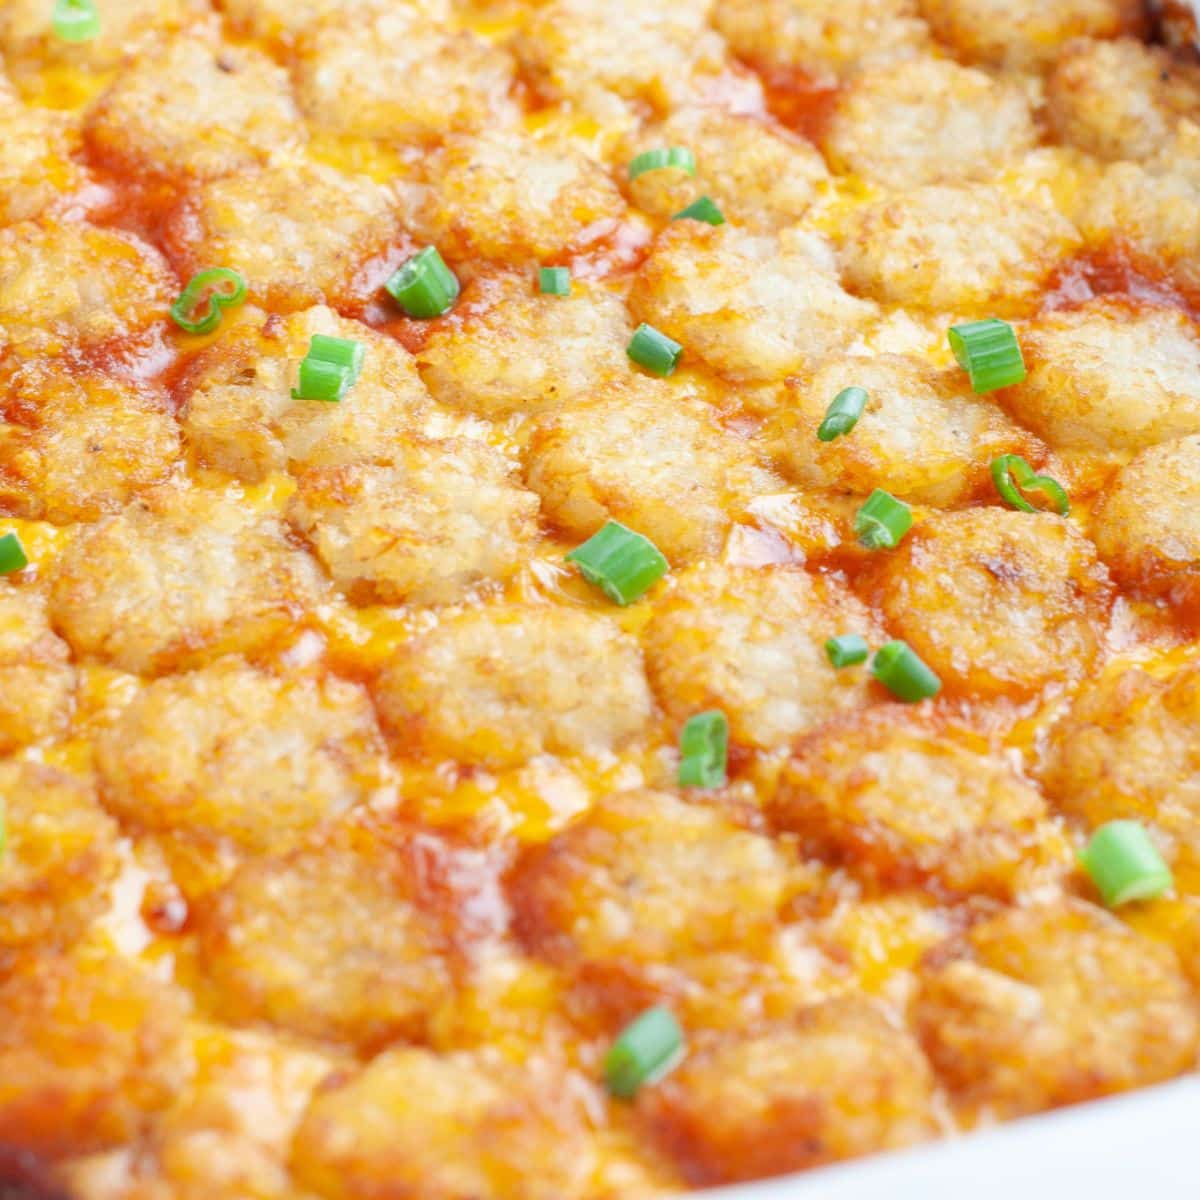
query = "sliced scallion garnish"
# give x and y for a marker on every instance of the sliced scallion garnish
(645, 1051)
(208, 293)
(622, 563)
(654, 350)
(704, 750)
(424, 286)
(664, 156)
(1125, 864)
(989, 352)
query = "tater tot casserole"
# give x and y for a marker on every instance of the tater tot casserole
(597, 597)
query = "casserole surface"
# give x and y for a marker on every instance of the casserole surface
(344, 823)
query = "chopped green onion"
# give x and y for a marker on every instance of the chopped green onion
(342, 352)
(989, 353)
(842, 414)
(76, 20)
(12, 554)
(645, 1051)
(1011, 472)
(704, 750)
(622, 564)
(704, 210)
(1125, 864)
(665, 156)
(330, 368)
(847, 650)
(653, 350)
(321, 380)
(898, 667)
(424, 286)
(882, 521)
(554, 281)
(208, 293)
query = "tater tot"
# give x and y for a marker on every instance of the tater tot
(265, 759)
(902, 803)
(195, 110)
(72, 284)
(1120, 99)
(1027, 33)
(298, 232)
(69, 1083)
(1054, 1004)
(503, 196)
(923, 436)
(340, 940)
(239, 414)
(754, 308)
(595, 52)
(966, 249)
(825, 39)
(37, 680)
(927, 120)
(750, 641)
(1113, 375)
(433, 522)
(177, 577)
(997, 602)
(397, 76)
(528, 681)
(28, 41)
(75, 445)
(60, 856)
(448, 1127)
(645, 877)
(656, 462)
(1128, 749)
(761, 176)
(1147, 525)
(836, 1081)
(517, 351)
(39, 165)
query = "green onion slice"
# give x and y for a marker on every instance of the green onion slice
(554, 281)
(330, 368)
(12, 554)
(882, 521)
(342, 352)
(424, 286)
(842, 414)
(704, 209)
(847, 650)
(664, 156)
(653, 350)
(989, 353)
(1125, 864)
(704, 750)
(76, 20)
(321, 380)
(208, 293)
(899, 668)
(1012, 475)
(624, 565)
(646, 1050)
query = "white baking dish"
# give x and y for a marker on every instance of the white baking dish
(1141, 1146)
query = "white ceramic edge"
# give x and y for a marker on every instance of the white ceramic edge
(1135, 1147)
